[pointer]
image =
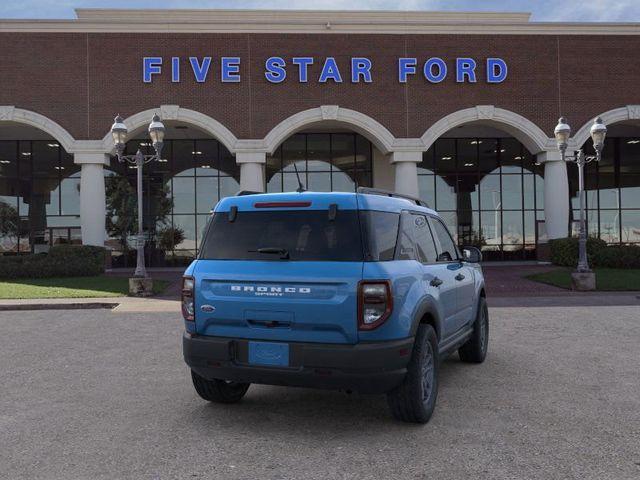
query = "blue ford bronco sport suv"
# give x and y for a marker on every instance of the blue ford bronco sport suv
(354, 291)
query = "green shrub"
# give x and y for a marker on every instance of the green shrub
(61, 261)
(618, 256)
(564, 251)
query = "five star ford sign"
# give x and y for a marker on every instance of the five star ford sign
(361, 69)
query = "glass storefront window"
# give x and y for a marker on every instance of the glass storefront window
(630, 224)
(195, 175)
(512, 192)
(39, 195)
(325, 161)
(612, 191)
(490, 190)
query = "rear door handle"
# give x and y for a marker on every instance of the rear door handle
(436, 282)
(459, 277)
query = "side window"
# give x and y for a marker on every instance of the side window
(424, 240)
(381, 233)
(449, 251)
(406, 249)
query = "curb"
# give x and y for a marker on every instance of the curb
(58, 306)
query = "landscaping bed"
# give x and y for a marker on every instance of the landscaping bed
(71, 287)
(607, 279)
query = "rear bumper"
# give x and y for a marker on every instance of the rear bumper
(366, 367)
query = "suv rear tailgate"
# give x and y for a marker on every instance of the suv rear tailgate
(275, 300)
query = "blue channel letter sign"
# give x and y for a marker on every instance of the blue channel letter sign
(326, 70)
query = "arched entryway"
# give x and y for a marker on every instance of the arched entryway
(613, 185)
(39, 184)
(197, 169)
(333, 149)
(482, 174)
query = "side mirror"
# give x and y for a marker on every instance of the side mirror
(471, 254)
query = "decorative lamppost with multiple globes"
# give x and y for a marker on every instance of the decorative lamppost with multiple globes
(583, 278)
(119, 133)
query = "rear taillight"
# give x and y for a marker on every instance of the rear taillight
(188, 307)
(375, 303)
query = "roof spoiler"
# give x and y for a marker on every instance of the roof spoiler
(388, 193)
(242, 193)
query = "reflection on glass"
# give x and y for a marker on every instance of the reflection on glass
(469, 228)
(539, 192)
(610, 226)
(70, 196)
(512, 192)
(630, 196)
(229, 186)
(512, 230)
(342, 182)
(467, 192)
(529, 191)
(529, 227)
(202, 224)
(490, 198)
(450, 220)
(426, 187)
(445, 195)
(319, 182)
(206, 194)
(188, 224)
(183, 195)
(630, 223)
(325, 161)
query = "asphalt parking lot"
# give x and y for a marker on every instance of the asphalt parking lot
(97, 394)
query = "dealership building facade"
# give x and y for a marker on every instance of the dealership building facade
(456, 108)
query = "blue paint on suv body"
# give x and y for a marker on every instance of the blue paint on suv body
(307, 295)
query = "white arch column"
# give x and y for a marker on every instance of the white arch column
(251, 170)
(93, 203)
(556, 194)
(406, 172)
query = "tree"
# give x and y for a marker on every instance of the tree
(169, 237)
(122, 209)
(9, 221)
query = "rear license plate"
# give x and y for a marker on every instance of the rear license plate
(268, 353)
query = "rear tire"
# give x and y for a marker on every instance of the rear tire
(475, 349)
(415, 398)
(219, 391)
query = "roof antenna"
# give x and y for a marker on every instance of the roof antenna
(300, 188)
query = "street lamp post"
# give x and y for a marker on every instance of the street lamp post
(119, 133)
(562, 133)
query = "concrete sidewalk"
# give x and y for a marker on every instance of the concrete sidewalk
(158, 304)
(116, 304)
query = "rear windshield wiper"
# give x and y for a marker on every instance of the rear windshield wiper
(283, 252)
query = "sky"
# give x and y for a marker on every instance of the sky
(542, 10)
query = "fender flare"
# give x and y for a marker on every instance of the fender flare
(427, 306)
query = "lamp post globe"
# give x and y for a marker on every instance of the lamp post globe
(598, 134)
(562, 133)
(119, 133)
(156, 132)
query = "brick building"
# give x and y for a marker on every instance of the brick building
(457, 108)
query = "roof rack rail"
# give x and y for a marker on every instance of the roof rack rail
(388, 193)
(242, 193)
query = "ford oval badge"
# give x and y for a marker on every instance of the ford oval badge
(208, 308)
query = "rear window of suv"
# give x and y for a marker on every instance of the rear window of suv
(302, 235)
(305, 235)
